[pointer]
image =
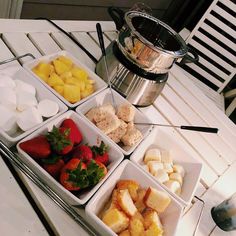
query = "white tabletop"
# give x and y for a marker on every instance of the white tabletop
(181, 103)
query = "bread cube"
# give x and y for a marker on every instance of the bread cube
(131, 137)
(151, 217)
(136, 227)
(157, 200)
(153, 230)
(116, 220)
(132, 187)
(109, 124)
(139, 203)
(101, 112)
(118, 133)
(126, 203)
(125, 233)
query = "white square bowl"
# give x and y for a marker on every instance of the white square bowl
(160, 139)
(105, 97)
(41, 93)
(91, 137)
(127, 170)
(99, 83)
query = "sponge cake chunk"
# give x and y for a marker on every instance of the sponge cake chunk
(116, 220)
(157, 200)
(126, 203)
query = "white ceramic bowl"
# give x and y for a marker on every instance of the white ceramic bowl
(160, 139)
(99, 83)
(104, 97)
(91, 137)
(127, 170)
(41, 93)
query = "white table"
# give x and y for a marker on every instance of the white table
(181, 103)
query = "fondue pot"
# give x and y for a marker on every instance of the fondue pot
(141, 57)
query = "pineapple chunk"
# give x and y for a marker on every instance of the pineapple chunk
(79, 73)
(72, 81)
(66, 75)
(71, 93)
(45, 68)
(54, 79)
(66, 61)
(59, 89)
(40, 75)
(60, 67)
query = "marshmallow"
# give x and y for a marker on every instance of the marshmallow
(8, 97)
(177, 177)
(173, 186)
(161, 176)
(153, 154)
(25, 100)
(168, 167)
(48, 108)
(23, 86)
(165, 157)
(7, 81)
(154, 166)
(7, 120)
(29, 118)
(179, 169)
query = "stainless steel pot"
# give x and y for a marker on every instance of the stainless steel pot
(148, 42)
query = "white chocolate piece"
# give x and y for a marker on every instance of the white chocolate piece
(7, 81)
(153, 154)
(168, 167)
(165, 157)
(29, 118)
(48, 108)
(154, 166)
(179, 169)
(8, 97)
(25, 100)
(8, 120)
(177, 177)
(23, 86)
(161, 176)
(126, 112)
(173, 186)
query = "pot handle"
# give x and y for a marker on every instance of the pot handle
(117, 16)
(190, 58)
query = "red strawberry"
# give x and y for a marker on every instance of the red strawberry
(76, 175)
(83, 152)
(60, 140)
(75, 132)
(37, 147)
(53, 165)
(101, 153)
(101, 165)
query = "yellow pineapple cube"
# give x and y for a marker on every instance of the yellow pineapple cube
(66, 61)
(40, 75)
(54, 79)
(72, 80)
(60, 67)
(71, 93)
(59, 89)
(45, 68)
(66, 75)
(79, 73)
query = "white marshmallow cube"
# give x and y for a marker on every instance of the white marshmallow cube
(177, 177)
(168, 167)
(48, 108)
(28, 118)
(154, 166)
(179, 169)
(153, 154)
(173, 186)
(8, 97)
(161, 176)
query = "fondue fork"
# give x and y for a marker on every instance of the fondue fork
(101, 42)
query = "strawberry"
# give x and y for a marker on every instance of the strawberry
(83, 152)
(60, 140)
(101, 153)
(37, 147)
(53, 165)
(76, 135)
(76, 175)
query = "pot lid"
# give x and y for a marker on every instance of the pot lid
(155, 34)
